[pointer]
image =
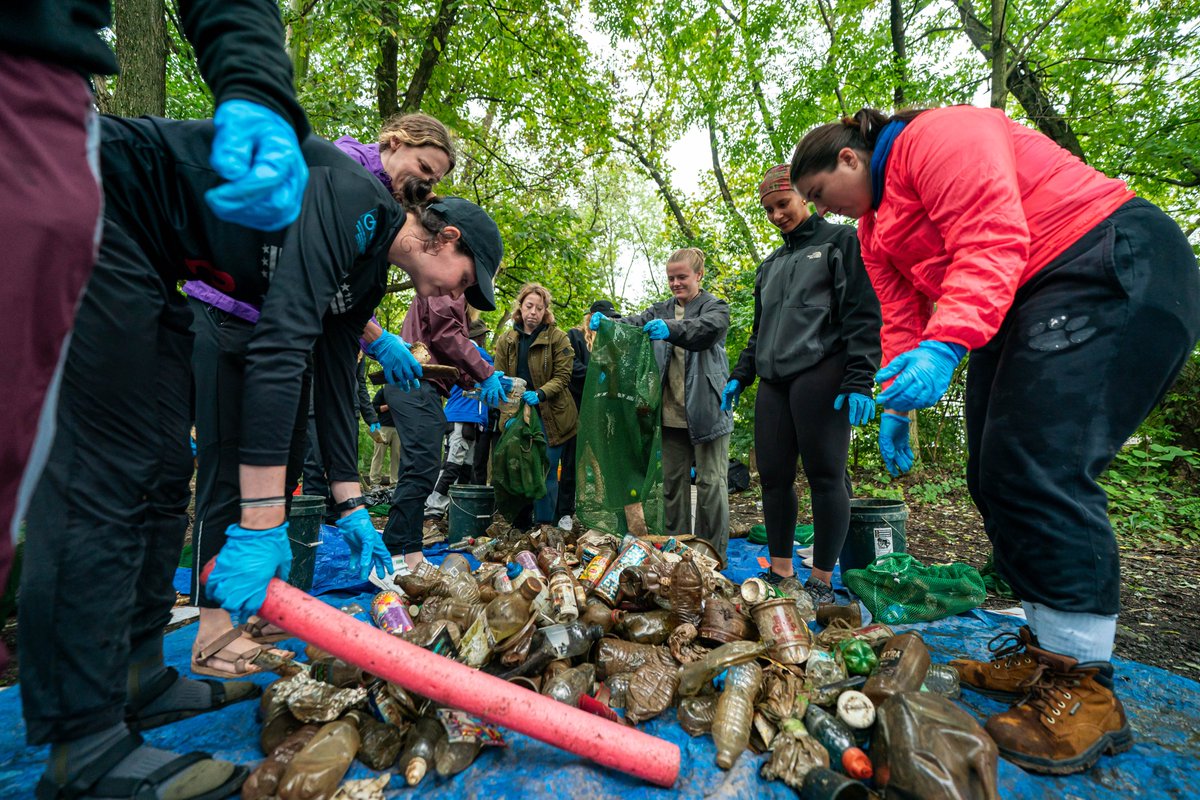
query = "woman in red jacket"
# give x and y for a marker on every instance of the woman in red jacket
(1080, 304)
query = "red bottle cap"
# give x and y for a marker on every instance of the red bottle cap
(856, 764)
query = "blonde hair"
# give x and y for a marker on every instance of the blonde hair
(589, 335)
(418, 130)
(692, 256)
(540, 291)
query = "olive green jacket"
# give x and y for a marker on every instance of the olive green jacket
(551, 359)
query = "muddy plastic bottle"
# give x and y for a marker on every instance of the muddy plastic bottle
(451, 758)
(735, 712)
(648, 627)
(696, 714)
(264, 781)
(419, 748)
(508, 613)
(824, 674)
(902, 667)
(338, 673)
(844, 754)
(942, 679)
(567, 686)
(460, 612)
(316, 771)
(686, 592)
(548, 558)
(562, 593)
(597, 613)
(698, 674)
(565, 641)
(454, 565)
(379, 743)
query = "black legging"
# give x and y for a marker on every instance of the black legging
(795, 419)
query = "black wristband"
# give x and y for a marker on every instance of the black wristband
(348, 504)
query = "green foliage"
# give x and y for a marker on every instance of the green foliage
(1144, 499)
(934, 492)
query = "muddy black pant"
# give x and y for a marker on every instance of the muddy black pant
(1090, 345)
(219, 363)
(419, 419)
(795, 419)
(107, 520)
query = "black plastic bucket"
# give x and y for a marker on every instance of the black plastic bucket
(304, 534)
(876, 529)
(471, 510)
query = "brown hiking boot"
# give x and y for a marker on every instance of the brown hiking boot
(1001, 678)
(1068, 719)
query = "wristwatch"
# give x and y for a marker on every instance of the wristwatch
(349, 504)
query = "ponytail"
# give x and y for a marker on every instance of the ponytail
(818, 150)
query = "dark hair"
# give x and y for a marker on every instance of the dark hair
(818, 150)
(435, 225)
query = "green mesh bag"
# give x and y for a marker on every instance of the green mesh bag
(896, 588)
(520, 463)
(619, 449)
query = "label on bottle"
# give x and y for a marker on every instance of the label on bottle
(462, 727)
(557, 639)
(883, 541)
(476, 645)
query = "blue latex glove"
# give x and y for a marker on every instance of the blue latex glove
(246, 565)
(366, 545)
(256, 150)
(893, 443)
(656, 329)
(862, 407)
(492, 391)
(374, 427)
(193, 438)
(922, 375)
(597, 318)
(729, 397)
(400, 366)
(531, 398)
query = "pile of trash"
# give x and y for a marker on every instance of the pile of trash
(629, 630)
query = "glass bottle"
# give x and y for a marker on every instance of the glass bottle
(838, 739)
(567, 686)
(419, 747)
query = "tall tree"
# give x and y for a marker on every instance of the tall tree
(141, 46)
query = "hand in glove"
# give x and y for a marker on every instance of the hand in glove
(256, 151)
(893, 443)
(862, 407)
(729, 397)
(373, 429)
(921, 375)
(246, 565)
(400, 366)
(492, 391)
(597, 318)
(656, 329)
(367, 551)
(531, 398)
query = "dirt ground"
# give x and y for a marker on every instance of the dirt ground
(1160, 593)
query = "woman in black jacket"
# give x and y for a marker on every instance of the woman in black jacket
(815, 344)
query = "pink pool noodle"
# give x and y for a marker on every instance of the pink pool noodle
(458, 686)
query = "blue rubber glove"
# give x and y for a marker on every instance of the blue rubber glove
(729, 397)
(492, 391)
(246, 565)
(862, 407)
(893, 443)
(256, 150)
(531, 398)
(193, 438)
(374, 427)
(656, 329)
(366, 545)
(922, 375)
(400, 366)
(597, 318)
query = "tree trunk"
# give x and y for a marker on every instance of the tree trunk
(738, 219)
(999, 62)
(141, 45)
(664, 188)
(297, 46)
(434, 44)
(386, 79)
(899, 52)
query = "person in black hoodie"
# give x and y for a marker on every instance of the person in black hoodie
(815, 345)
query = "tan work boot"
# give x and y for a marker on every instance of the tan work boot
(1002, 677)
(1068, 719)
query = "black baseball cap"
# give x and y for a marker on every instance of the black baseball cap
(480, 234)
(605, 307)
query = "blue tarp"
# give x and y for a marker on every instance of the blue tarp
(1164, 710)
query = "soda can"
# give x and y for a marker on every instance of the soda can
(390, 613)
(781, 626)
(757, 590)
(527, 560)
(596, 567)
(634, 553)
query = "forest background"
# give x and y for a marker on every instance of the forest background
(568, 116)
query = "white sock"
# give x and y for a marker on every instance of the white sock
(1083, 637)
(1030, 616)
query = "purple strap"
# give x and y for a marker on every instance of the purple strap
(218, 299)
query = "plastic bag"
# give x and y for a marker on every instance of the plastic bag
(519, 462)
(897, 588)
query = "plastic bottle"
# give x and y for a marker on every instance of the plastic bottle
(264, 781)
(508, 613)
(735, 712)
(597, 613)
(823, 673)
(838, 739)
(648, 627)
(902, 667)
(686, 592)
(451, 758)
(562, 593)
(379, 744)
(696, 714)
(942, 679)
(857, 711)
(567, 686)
(548, 558)
(316, 771)
(338, 673)
(858, 656)
(698, 674)
(455, 565)
(565, 641)
(419, 748)
(460, 612)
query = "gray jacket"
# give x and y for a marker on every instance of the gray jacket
(701, 333)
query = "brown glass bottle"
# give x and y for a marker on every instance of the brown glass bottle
(902, 667)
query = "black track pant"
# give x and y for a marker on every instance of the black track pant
(1090, 345)
(107, 520)
(420, 420)
(795, 419)
(219, 363)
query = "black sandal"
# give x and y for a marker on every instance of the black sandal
(220, 698)
(91, 781)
